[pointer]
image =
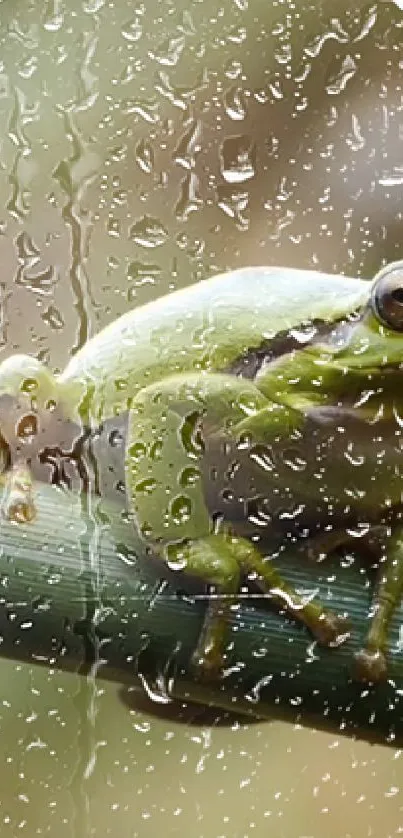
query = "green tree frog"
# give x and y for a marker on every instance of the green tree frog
(264, 402)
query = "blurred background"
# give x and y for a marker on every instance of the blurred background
(145, 146)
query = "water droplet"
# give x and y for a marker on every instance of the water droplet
(355, 140)
(146, 486)
(263, 458)
(258, 512)
(91, 7)
(337, 33)
(41, 603)
(292, 514)
(181, 509)
(234, 103)
(156, 691)
(29, 385)
(338, 80)
(189, 145)
(132, 30)
(148, 232)
(259, 653)
(146, 108)
(358, 460)
(169, 52)
(26, 34)
(123, 552)
(186, 24)
(347, 561)
(234, 203)
(237, 35)
(4, 86)
(53, 318)
(144, 156)
(276, 89)
(117, 154)
(189, 476)
(27, 67)
(113, 227)
(179, 95)
(27, 251)
(393, 178)
(176, 557)
(156, 449)
(142, 273)
(293, 460)
(191, 435)
(254, 696)
(189, 200)
(233, 69)
(137, 451)
(115, 439)
(369, 20)
(238, 159)
(283, 54)
(40, 283)
(27, 427)
(53, 16)
(304, 334)
(247, 403)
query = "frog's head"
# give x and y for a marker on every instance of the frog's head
(30, 410)
(367, 346)
(375, 339)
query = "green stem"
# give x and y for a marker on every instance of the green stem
(77, 589)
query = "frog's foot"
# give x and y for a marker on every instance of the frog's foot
(370, 666)
(19, 504)
(331, 629)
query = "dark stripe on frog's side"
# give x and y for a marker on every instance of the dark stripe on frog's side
(249, 363)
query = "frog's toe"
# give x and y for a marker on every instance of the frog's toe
(370, 666)
(332, 629)
(20, 510)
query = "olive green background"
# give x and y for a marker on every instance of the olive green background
(145, 146)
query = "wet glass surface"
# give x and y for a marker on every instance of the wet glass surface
(145, 147)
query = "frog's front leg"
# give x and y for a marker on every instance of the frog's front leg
(164, 480)
(370, 661)
(29, 396)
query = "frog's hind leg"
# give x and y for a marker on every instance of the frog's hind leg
(370, 661)
(370, 664)
(164, 481)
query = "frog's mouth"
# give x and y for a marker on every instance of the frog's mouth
(364, 343)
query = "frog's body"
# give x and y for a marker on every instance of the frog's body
(289, 383)
(206, 327)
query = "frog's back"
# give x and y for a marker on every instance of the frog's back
(205, 326)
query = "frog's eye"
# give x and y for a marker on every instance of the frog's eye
(387, 296)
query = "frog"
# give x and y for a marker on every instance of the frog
(265, 396)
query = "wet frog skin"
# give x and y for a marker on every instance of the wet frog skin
(291, 383)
